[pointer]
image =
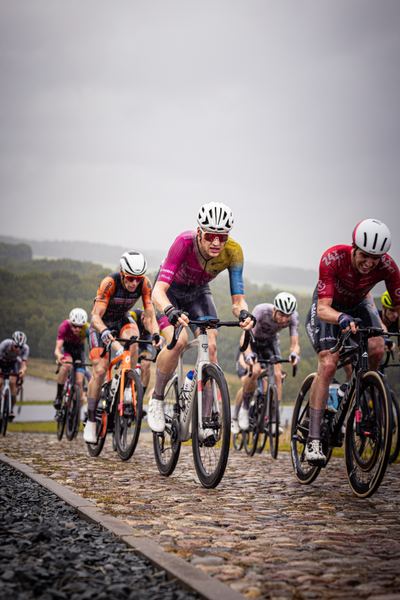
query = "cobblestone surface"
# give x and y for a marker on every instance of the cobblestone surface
(260, 531)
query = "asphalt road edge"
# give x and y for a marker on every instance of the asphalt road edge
(190, 577)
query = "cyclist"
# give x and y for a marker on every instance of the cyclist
(14, 354)
(70, 346)
(389, 316)
(271, 319)
(195, 258)
(117, 294)
(139, 316)
(346, 275)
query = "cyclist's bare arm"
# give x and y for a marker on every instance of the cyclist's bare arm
(161, 301)
(294, 346)
(150, 322)
(328, 314)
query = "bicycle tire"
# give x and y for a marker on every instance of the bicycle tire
(367, 455)
(166, 445)
(237, 441)
(211, 456)
(262, 441)
(72, 416)
(273, 419)
(395, 446)
(250, 437)
(101, 430)
(127, 425)
(303, 471)
(61, 416)
(6, 411)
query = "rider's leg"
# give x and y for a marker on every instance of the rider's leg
(79, 382)
(376, 348)
(278, 379)
(62, 378)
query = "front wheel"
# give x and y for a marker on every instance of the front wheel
(367, 452)
(210, 444)
(167, 445)
(127, 424)
(273, 420)
(251, 436)
(237, 441)
(304, 472)
(395, 447)
(101, 432)
(6, 411)
(72, 417)
(61, 416)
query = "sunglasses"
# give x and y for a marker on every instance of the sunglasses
(132, 278)
(210, 237)
(78, 326)
(18, 347)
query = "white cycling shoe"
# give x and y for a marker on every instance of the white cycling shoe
(155, 415)
(243, 419)
(89, 433)
(273, 429)
(313, 452)
(235, 427)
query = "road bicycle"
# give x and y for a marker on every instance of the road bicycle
(5, 400)
(68, 415)
(185, 417)
(264, 412)
(120, 409)
(395, 446)
(365, 410)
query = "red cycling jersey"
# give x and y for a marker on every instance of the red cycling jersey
(339, 280)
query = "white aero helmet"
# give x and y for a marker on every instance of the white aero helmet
(78, 316)
(286, 303)
(215, 217)
(19, 338)
(372, 236)
(133, 263)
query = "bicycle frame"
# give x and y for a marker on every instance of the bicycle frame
(125, 359)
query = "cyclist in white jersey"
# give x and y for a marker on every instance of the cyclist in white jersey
(271, 319)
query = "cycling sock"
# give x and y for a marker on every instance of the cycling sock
(159, 387)
(60, 389)
(144, 390)
(315, 423)
(92, 405)
(246, 400)
(207, 402)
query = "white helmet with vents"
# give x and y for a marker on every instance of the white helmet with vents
(133, 263)
(19, 338)
(372, 236)
(286, 303)
(215, 217)
(78, 316)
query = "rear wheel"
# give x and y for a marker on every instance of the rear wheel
(237, 440)
(273, 420)
(61, 416)
(72, 417)
(251, 436)
(167, 445)
(6, 411)
(211, 453)
(395, 447)
(367, 452)
(304, 472)
(127, 424)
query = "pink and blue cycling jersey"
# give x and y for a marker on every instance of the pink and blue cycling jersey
(185, 265)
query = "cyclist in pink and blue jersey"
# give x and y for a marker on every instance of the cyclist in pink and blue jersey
(182, 286)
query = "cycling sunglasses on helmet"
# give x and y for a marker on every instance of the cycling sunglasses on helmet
(132, 278)
(210, 237)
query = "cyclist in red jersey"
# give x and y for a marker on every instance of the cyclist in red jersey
(346, 276)
(116, 295)
(194, 259)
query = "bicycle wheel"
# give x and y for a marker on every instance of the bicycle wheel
(273, 420)
(61, 416)
(237, 441)
(395, 447)
(127, 425)
(211, 455)
(367, 453)
(6, 411)
(304, 472)
(262, 440)
(101, 431)
(72, 416)
(250, 437)
(167, 445)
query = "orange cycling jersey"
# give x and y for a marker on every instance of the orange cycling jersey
(117, 300)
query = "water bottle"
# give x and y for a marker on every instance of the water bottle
(188, 381)
(342, 390)
(333, 400)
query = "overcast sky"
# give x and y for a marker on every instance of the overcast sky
(120, 118)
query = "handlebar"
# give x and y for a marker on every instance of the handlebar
(75, 363)
(126, 343)
(211, 323)
(153, 358)
(264, 373)
(366, 331)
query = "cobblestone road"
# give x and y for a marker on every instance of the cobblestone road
(260, 531)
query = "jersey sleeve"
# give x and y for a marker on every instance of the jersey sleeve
(235, 270)
(175, 257)
(25, 352)
(146, 293)
(392, 278)
(294, 323)
(62, 330)
(327, 271)
(105, 291)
